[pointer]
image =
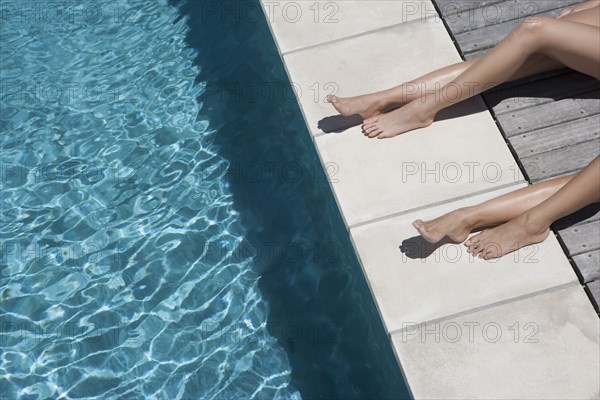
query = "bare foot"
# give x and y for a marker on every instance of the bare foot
(506, 238)
(403, 119)
(366, 106)
(455, 225)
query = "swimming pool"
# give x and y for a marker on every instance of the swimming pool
(167, 232)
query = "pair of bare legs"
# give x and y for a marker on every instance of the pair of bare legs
(539, 44)
(529, 211)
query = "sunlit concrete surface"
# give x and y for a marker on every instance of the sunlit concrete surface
(300, 24)
(415, 281)
(539, 347)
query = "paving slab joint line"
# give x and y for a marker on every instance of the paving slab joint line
(435, 204)
(359, 34)
(321, 134)
(492, 305)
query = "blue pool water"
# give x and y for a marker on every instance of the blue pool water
(167, 232)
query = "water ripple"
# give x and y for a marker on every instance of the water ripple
(120, 276)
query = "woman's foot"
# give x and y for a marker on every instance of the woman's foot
(506, 238)
(366, 106)
(403, 119)
(455, 225)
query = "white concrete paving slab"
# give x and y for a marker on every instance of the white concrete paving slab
(414, 281)
(368, 63)
(453, 157)
(373, 178)
(540, 347)
(301, 23)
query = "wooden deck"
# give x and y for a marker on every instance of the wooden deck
(551, 121)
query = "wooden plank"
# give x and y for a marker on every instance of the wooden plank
(594, 291)
(556, 136)
(484, 38)
(530, 79)
(450, 8)
(489, 36)
(588, 265)
(560, 161)
(569, 85)
(464, 17)
(581, 238)
(475, 54)
(546, 115)
(585, 215)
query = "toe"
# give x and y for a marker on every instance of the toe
(371, 129)
(477, 249)
(332, 98)
(481, 253)
(490, 254)
(471, 245)
(474, 241)
(470, 249)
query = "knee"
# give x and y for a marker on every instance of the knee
(535, 25)
(531, 30)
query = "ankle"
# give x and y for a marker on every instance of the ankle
(422, 110)
(534, 222)
(471, 217)
(381, 102)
